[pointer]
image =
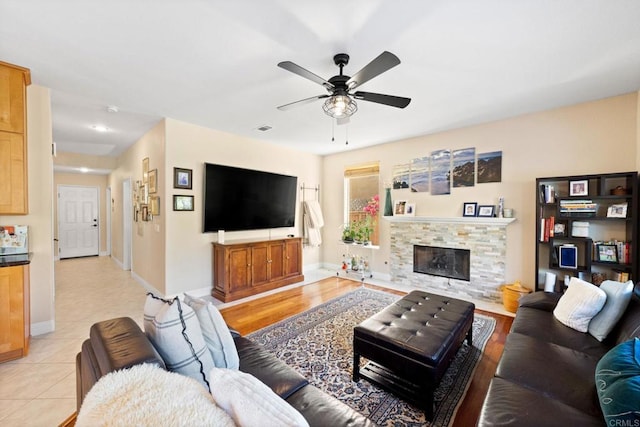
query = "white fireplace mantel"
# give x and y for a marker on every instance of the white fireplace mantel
(452, 220)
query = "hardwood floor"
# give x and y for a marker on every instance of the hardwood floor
(251, 316)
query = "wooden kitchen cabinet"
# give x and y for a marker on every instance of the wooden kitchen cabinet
(246, 268)
(15, 324)
(13, 139)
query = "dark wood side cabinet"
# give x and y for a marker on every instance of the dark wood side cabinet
(598, 215)
(245, 268)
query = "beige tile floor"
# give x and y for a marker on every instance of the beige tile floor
(40, 389)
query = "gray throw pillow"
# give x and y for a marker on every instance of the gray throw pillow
(174, 331)
(216, 333)
(618, 297)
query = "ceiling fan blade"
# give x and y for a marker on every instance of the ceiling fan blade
(301, 102)
(296, 69)
(394, 101)
(385, 61)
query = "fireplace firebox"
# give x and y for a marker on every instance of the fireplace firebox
(445, 262)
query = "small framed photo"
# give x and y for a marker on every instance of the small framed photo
(182, 178)
(617, 211)
(469, 209)
(144, 213)
(154, 205)
(182, 203)
(607, 253)
(568, 256)
(153, 181)
(559, 229)
(145, 169)
(486, 211)
(399, 207)
(410, 209)
(579, 188)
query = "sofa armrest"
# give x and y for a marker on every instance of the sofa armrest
(112, 345)
(546, 301)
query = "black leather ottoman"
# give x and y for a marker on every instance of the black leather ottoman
(411, 343)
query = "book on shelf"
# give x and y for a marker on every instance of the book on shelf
(547, 228)
(547, 194)
(621, 276)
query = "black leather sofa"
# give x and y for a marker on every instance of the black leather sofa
(545, 376)
(120, 343)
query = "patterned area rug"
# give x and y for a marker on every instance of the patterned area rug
(318, 343)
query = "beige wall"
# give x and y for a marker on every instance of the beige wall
(147, 251)
(39, 219)
(189, 250)
(594, 137)
(85, 180)
(84, 160)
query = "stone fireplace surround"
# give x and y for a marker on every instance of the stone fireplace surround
(486, 238)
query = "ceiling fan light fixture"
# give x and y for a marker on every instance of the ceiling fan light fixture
(339, 106)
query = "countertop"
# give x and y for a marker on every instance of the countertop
(15, 260)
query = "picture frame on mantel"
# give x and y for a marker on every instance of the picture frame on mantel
(469, 209)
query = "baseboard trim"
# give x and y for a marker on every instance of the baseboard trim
(146, 284)
(42, 328)
(118, 262)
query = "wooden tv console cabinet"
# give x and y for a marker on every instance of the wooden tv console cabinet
(245, 268)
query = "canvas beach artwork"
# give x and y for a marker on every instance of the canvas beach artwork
(490, 167)
(464, 167)
(401, 176)
(441, 172)
(420, 174)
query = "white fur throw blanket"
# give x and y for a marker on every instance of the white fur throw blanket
(146, 395)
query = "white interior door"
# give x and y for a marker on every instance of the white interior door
(78, 226)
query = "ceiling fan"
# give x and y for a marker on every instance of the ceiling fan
(340, 103)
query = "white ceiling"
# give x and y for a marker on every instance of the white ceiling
(213, 63)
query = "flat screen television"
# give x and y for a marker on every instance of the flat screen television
(245, 199)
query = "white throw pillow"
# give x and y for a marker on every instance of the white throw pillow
(174, 331)
(618, 297)
(146, 395)
(250, 402)
(216, 333)
(579, 304)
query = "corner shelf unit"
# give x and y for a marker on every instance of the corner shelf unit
(577, 210)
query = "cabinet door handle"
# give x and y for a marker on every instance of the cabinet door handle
(248, 265)
(270, 261)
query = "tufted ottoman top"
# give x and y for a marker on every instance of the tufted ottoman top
(420, 325)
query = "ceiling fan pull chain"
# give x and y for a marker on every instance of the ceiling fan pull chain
(333, 130)
(347, 136)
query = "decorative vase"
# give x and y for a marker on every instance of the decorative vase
(388, 204)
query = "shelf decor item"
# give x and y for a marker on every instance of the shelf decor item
(568, 256)
(617, 211)
(469, 208)
(486, 211)
(388, 203)
(579, 188)
(607, 253)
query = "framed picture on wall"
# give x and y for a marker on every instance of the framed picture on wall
(154, 205)
(182, 178)
(153, 181)
(182, 203)
(145, 169)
